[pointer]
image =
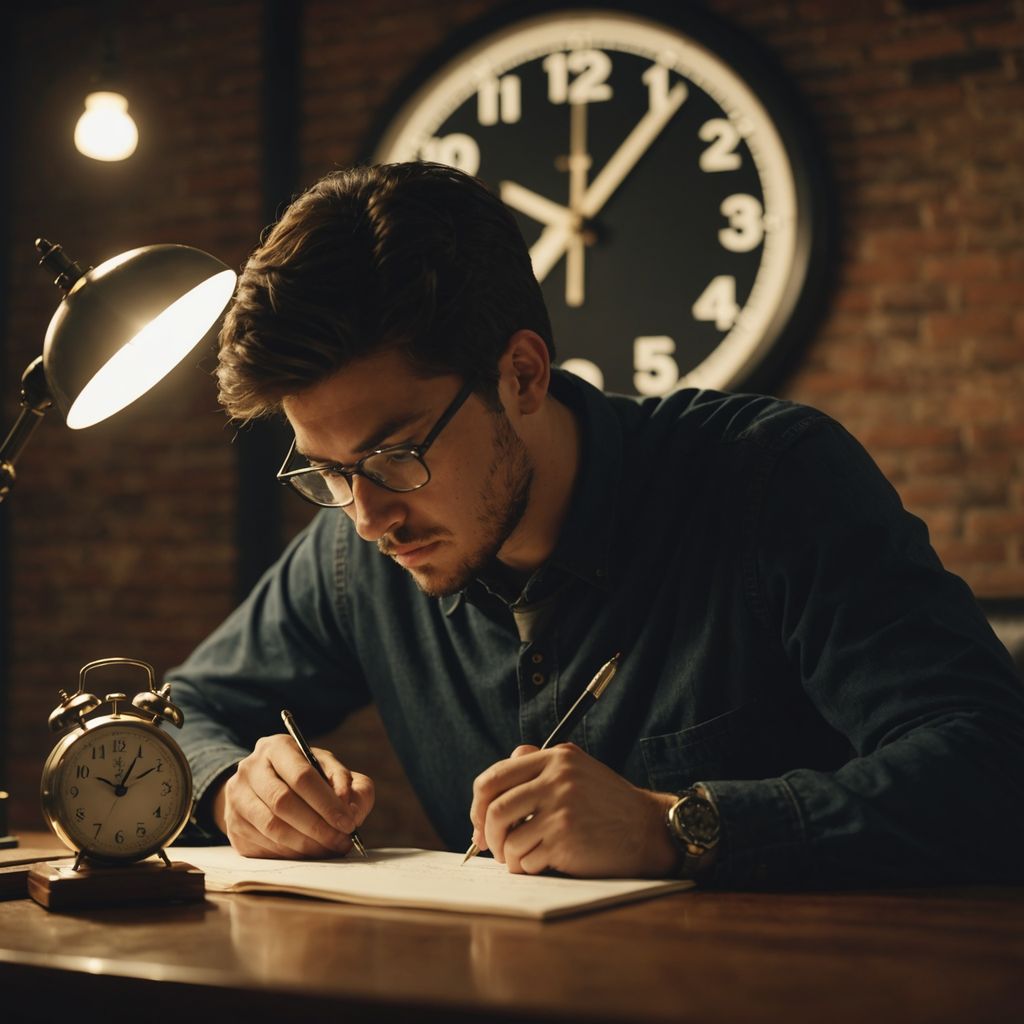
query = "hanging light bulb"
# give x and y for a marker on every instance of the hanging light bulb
(106, 131)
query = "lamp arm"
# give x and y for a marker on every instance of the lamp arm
(35, 400)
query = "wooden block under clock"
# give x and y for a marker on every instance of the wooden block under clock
(54, 884)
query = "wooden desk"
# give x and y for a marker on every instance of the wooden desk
(828, 958)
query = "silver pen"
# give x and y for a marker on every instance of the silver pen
(293, 730)
(584, 702)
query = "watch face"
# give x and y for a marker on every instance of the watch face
(120, 791)
(698, 821)
(667, 201)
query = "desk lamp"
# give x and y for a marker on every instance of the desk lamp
(119, 329)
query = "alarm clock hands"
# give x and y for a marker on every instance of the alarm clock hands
(120, 788)
(124, 778)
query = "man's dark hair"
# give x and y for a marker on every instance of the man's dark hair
(418, 257)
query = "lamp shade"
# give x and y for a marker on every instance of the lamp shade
(125, 324)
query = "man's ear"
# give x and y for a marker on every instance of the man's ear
(525, 369)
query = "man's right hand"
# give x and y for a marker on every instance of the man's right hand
(276, 804)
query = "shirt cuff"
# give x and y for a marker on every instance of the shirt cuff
(761, 836)
(213, 765)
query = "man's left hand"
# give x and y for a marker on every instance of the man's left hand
(560, 808)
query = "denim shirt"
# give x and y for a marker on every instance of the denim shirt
(789, 638)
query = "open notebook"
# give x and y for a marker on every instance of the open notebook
(419, 878)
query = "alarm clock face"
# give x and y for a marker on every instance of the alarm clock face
(120, 791)
(668, 202)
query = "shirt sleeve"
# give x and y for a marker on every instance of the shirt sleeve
(895, 653)
(286, 646)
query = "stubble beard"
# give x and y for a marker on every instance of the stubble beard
(500, 508)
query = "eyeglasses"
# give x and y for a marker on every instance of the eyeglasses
(399, 467)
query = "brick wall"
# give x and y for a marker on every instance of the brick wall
(122, 536)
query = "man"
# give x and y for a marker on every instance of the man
(805, 695)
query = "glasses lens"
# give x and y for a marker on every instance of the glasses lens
(325, 488)
(397, 469)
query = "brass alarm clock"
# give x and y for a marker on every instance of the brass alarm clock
(116, 788)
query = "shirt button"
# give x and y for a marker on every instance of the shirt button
(538, 678)
(537, 658)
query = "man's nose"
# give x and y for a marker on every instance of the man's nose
(374, 509)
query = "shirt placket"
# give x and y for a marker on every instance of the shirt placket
(536, 671)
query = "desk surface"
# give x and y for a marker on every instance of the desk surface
(908, 955)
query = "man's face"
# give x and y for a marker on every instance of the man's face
(447, 532)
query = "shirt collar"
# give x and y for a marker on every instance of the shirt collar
(585, 543)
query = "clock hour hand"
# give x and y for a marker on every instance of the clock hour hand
(558, 220)
(534, 205)
(99, 778)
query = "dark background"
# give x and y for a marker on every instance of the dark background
(134, 537)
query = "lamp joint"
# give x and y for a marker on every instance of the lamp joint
(54, 259)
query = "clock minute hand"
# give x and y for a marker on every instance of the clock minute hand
(124, 778)
(626, 157)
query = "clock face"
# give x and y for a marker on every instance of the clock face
(120, 791)
(669, 212)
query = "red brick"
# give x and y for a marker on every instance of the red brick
(883, 269)
(957, 328)
(973, 553)
(935, 492)
(988, 524)
(993, 293)
(962, 267)
(909, 242)
(918, 46)
(915, 99)
(910, 435)
(1006, 35)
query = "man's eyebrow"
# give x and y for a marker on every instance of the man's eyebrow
(374, 441)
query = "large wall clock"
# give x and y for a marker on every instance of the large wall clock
(662, 173)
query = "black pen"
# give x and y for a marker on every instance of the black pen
(584, 702)
(293, 730)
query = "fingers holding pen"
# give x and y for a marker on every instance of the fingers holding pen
(560, 808)
(354, 790)
(278, 805)
(504, 795)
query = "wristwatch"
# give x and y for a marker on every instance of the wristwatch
(693, 827)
